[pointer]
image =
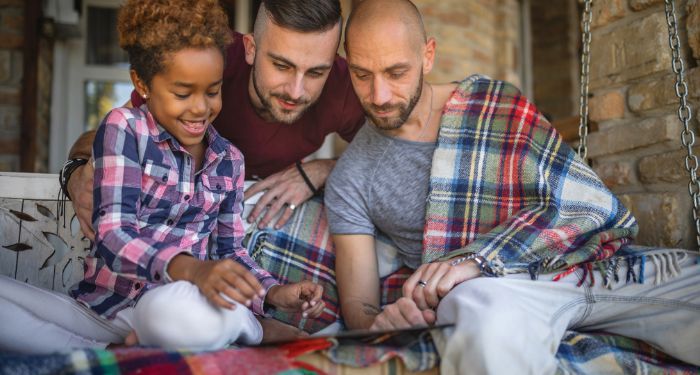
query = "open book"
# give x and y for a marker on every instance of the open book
(395, 337)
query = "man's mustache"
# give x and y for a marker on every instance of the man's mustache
(289, 99)
(385, 107)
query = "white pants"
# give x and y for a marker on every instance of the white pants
(172, 316)
(513, 325)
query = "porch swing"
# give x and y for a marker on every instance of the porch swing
(681, 89)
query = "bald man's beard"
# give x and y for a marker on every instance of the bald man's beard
(392, 123)
(270, 113)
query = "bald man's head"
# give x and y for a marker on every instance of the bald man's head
(377, 16)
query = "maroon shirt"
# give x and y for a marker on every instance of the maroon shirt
(269, 147)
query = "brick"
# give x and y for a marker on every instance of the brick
(10, 96)
(668, 167)
(9, 120)
(17, 68)
(12, 21)
(9, 163)
(653, 94)
(664, 218)
(643, 4)
(5, 65)
(630, 51)
(615, 174)
(660, 92)
(693, 27)
(607, 106)
(606, 11)
(637, 134)
(8, 40)
(693, 77)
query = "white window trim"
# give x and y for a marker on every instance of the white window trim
(70, 74)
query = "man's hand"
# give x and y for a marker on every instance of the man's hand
(433, 281)
(404, 313)
(304, 296)
(287, 188)
(216, 279)
(80, 191)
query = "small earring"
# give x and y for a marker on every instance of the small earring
(145, 96)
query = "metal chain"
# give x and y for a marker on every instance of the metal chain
(585, 65)
(684, 114)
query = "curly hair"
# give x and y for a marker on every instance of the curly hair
(150, 30)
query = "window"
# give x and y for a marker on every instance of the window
(91, 76)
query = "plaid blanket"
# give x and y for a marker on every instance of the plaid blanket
(504, 185)
(302, 250)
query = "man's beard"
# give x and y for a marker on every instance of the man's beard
(267, 111)
(404, 110)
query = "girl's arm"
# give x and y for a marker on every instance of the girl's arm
(117, 197)
(228, 237)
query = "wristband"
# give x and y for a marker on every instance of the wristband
(68, 168)
(314, 191)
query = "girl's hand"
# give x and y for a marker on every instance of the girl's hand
(303, 296)
(218, 280)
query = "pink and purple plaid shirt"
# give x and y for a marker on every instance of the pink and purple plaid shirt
(150, 204)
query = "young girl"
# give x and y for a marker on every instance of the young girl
(167, 266)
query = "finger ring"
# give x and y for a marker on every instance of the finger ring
(422, 283)
(292, 206)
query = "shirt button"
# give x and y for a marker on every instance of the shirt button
(102, 213)
(169, 222)
(137, 286)
(187, 197)
(165, 178)
(218, 187)
(156, 276)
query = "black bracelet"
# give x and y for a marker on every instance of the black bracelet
(68, 168)
(314, 191)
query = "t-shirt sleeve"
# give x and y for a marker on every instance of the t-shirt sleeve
(346, 199)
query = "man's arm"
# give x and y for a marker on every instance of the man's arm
(82, 148)
(287, 188)
(357, 277)
(80, 183)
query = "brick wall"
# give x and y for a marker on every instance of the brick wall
(11, 79)
(476, 36)
(637, 149)
(11, 43)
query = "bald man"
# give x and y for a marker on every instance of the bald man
(505, 226)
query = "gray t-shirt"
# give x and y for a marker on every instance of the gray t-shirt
(381, 184)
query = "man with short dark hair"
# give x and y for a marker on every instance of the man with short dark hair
(284, 91)
(511, 235)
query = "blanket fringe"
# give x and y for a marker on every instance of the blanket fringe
(666, 263)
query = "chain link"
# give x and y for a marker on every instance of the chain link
(684, 113)
(585, 68)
